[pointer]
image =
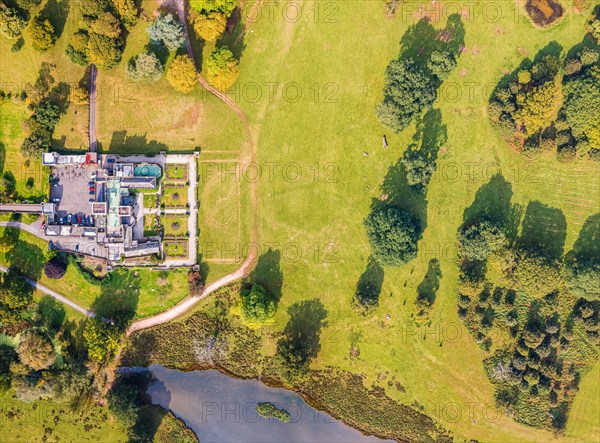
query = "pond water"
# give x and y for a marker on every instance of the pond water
(219, 408)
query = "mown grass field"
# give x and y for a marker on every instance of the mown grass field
(315, 220)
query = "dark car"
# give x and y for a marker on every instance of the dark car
(55, 181)
(110, 160)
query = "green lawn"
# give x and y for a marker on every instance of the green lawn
(175, 249)
(176, 172)
(175, 225)
(157, 290)
(174, 196)
(316, 222)
(150, 201)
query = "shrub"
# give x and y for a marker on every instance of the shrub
(145, 66)
(42, 34)
(393, 234)
(182, 74)
(36, 351)
(104, 51)
(209, 27)
(588, 56)
(222, 68)
(55, 268)
(572, 66)
(168, 30)
(257, 305)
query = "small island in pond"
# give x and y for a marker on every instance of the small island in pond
(268, 410)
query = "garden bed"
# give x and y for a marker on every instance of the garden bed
(176, 172)
(175, 196)
(175, 225)
(175, 248)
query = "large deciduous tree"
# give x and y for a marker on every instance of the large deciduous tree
(393, 234)
(222, 68)
(182, 74)
(36, 351)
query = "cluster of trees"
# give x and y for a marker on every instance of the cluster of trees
(258, 306)
(16, 16)
(222, 68)
(101, 36)
(552, 105)
(545, 302)
(41, 126)
(412, 80)
(15, 297)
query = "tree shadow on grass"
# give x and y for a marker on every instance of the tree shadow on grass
(397, 192)
(368, 287)
(300, 342)
(2, 157)
(121, 143)
(543, 231)
(427, 289)
(118, 299)
(587, 245)
(52, 313)
(57, 12)
(421, 155)
(27, 258)
(492, 202)
(233, 37)
(422, 39)
(267, 273)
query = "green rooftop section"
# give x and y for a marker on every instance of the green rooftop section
(114, 201)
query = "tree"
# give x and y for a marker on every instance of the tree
(15, 292)
(127, 10)
(42, 34)
(480, 240)
(539, 107)
(407, 92)
(583, 278)
(145, 66)
(28, 5)
(257, 305)
(77, 50)
(168, 30)
(34, 144)
(393, 234)
(222, 68)
(182, 74)
(582, 105)
(11, 22)
(223, 6)
(441, 64)
(209, 27)
(106, 24)
(104, 51)
(101, 339)
(36, 351)
(55, 268)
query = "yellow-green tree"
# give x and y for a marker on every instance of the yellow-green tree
(101, 339)
(42, 34)
(538, 107)
(127, 10)
(209, 27)
(222, 68)
(182, 74)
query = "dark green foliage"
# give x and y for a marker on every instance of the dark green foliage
(480, 240)
(257, 305)
(15, 293)
(55, 268)
(41, 126)
(369, 285)
(7, 356)
(393, 234)
(407, 92)
(426, 59)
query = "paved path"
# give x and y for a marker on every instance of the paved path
(55, 295)
(34, 228)
(92, 128)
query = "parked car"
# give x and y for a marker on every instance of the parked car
(91, 220)
(56, 200)
(77, 248)
(69, 218)
(92, 200)
(110, 160)
(79, 219)
(55, 181)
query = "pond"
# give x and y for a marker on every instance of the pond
(219, 408)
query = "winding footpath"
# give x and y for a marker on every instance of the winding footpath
(55, 295)
(188, 302)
